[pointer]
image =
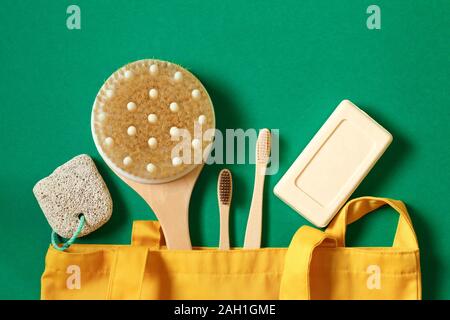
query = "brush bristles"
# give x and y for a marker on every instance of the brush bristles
(138, 116)
(225, 187)
(263, 146)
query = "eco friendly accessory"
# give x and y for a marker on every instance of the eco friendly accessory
(224, 195)
(74, 189)
(322, 267)
(254, 224)
(145, 118)
(317, 265)
(333, 164)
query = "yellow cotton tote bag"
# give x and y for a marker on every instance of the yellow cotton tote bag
(323, 268)
(315, 266)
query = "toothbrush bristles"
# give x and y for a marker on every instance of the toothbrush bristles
(263, 146)
(225, 187)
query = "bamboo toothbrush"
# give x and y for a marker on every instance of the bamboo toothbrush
(254, 223)
(224, 194)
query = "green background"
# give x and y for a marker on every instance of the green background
(282, 65)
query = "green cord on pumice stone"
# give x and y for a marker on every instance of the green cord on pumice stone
(55, 237)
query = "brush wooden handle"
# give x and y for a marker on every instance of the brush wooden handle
(170, 203)
(254, 222)
(224, 242)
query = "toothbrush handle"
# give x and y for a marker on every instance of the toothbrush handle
(224, 241)
(254, 223)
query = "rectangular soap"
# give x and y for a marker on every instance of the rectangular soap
(333, 164)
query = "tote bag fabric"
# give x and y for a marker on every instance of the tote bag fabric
(323, 268)
(317, 265)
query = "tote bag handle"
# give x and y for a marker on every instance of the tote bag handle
(355, 209)
(295, 281)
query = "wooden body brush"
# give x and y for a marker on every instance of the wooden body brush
(148, 123)
(254, 223)
(224, 195)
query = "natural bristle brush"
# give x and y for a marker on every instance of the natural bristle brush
(224, 195)
(254, 223)
(140, 116)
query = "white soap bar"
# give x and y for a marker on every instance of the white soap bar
(333, 164)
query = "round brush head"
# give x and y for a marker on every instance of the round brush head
(146, 110)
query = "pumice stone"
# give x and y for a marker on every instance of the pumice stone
(73, 189)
